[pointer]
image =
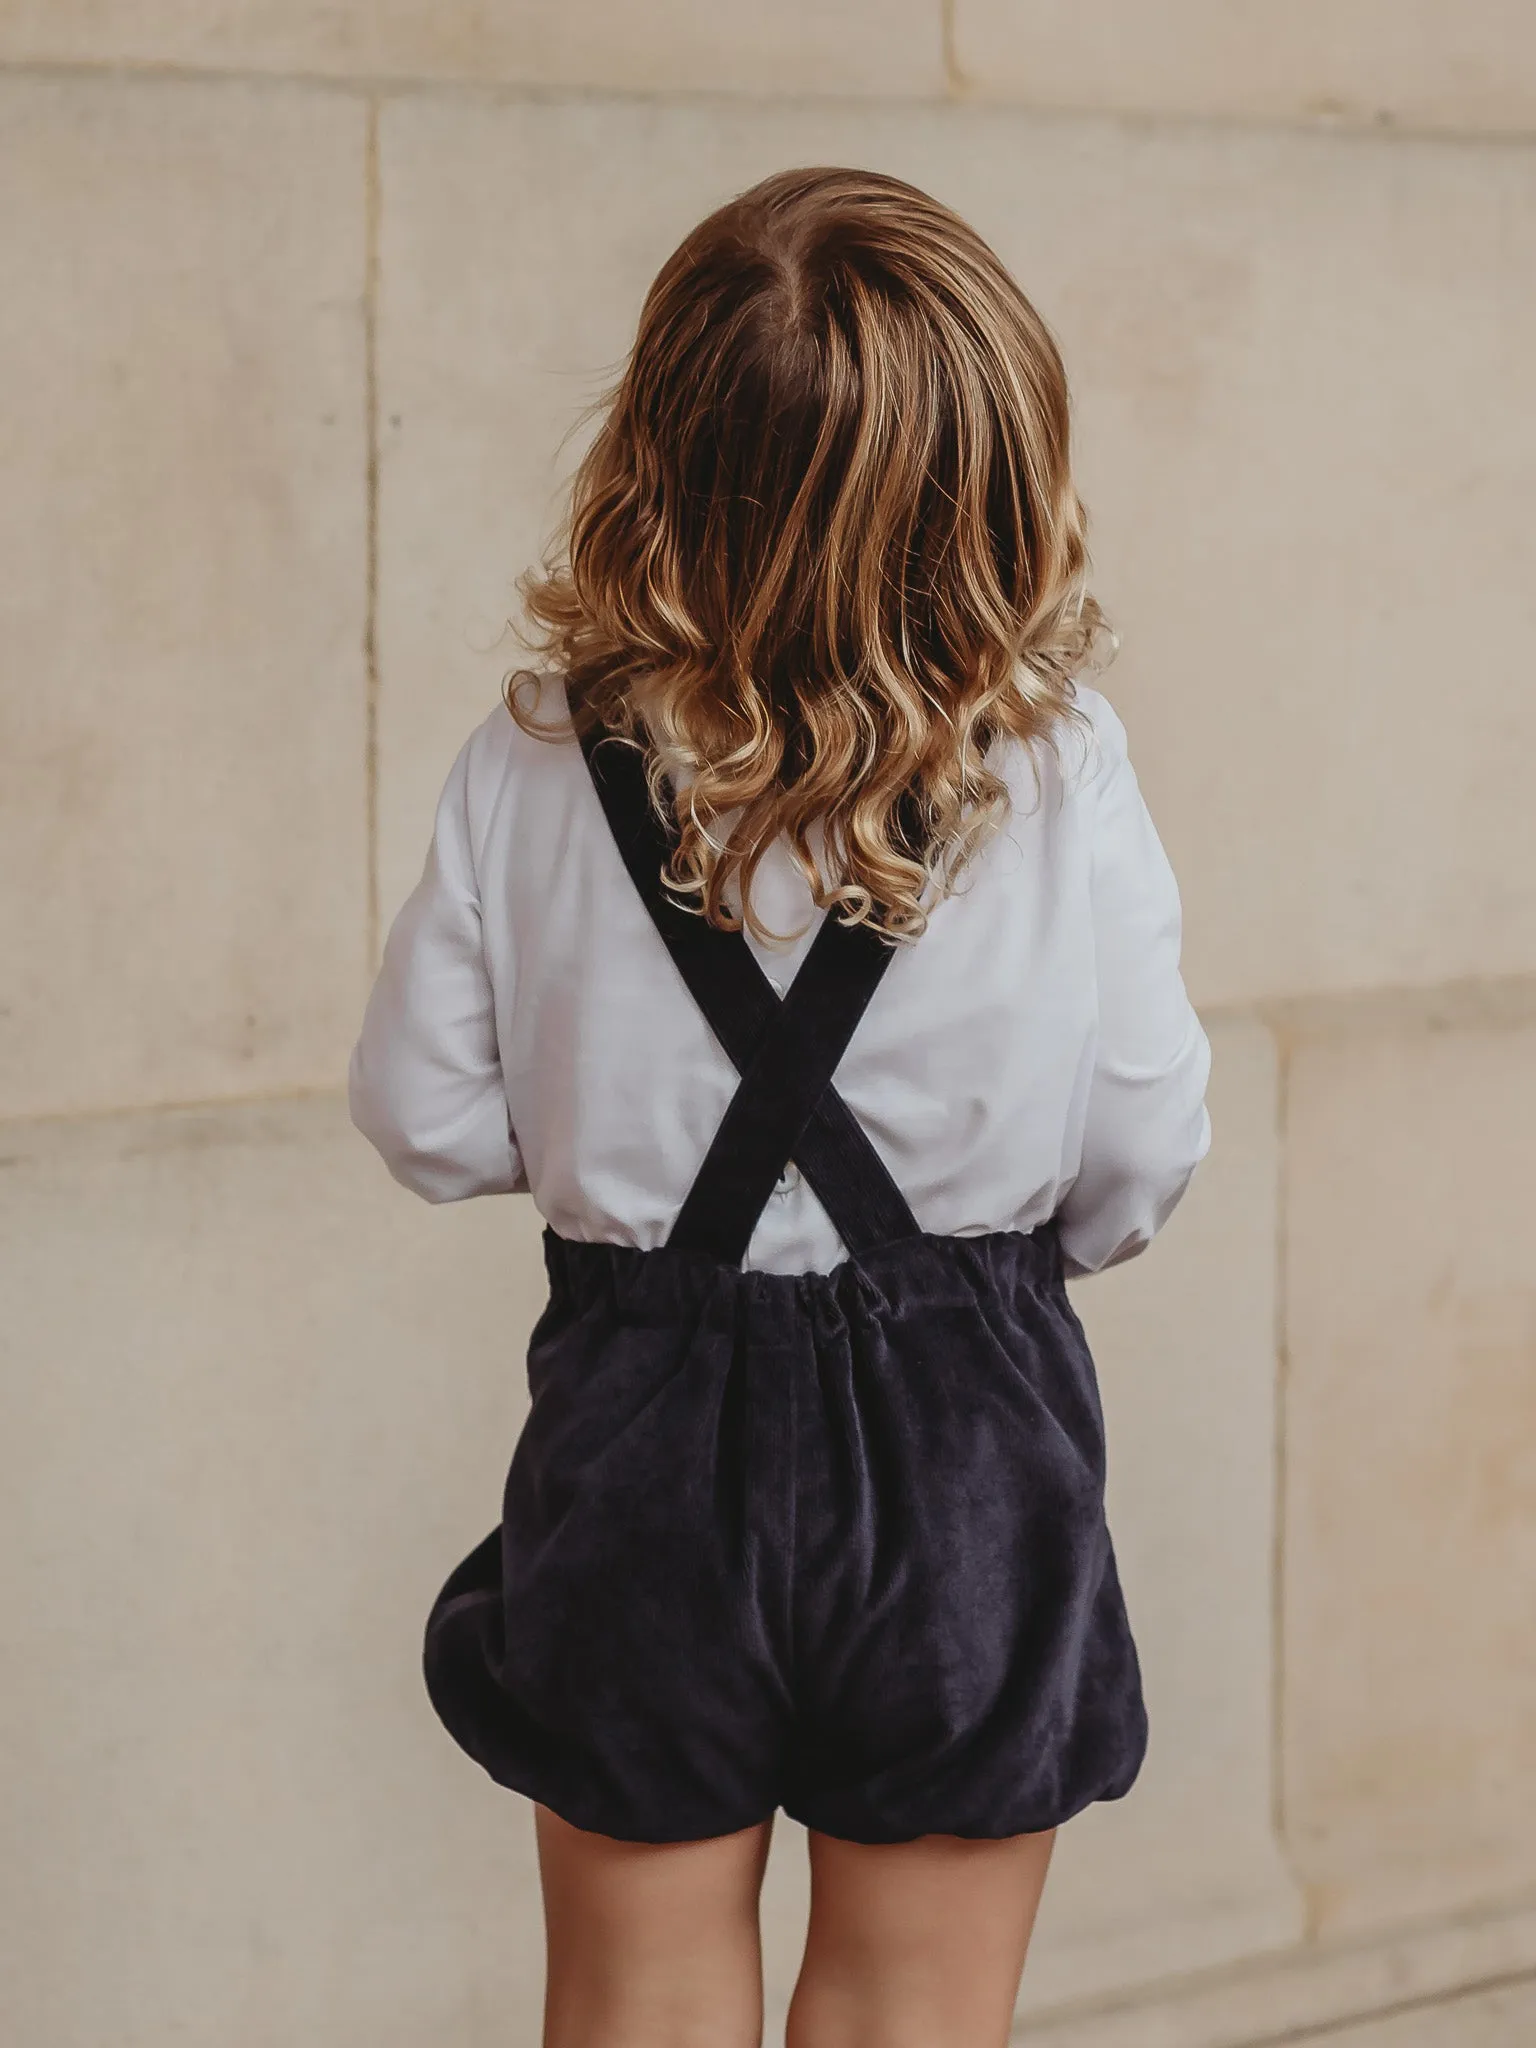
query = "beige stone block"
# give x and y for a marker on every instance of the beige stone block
(182, 852)
(1186, 1873)
(1410, 1507)
(257, 1402)
(1306, 372)
(858, 46)
(1457, 64)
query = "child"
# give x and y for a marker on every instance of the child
(800, 940)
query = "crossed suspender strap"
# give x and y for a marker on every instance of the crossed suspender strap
(785, 1052)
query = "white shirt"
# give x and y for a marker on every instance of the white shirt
(1034, 1052)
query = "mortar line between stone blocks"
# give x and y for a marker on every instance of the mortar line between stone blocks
(954, 79)
(544, 91)
(1282, 1336)
(181, 1105)
(1267, 1973)
(1401, 2008)
(371, 486)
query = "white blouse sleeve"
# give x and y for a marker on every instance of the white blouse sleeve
(1147, 1127)
(425, 1085)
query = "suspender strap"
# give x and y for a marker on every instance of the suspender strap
(781, 1086)
(786, 1053)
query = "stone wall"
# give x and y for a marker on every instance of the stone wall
(296, 304)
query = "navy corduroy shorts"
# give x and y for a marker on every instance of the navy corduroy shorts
(832, 1543)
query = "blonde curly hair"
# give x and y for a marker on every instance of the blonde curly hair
(824, 549)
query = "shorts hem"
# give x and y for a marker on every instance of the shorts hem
(873, 1833)
(588, 1821)
(877, 1833)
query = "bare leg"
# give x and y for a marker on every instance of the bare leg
(916, 1945)
(651, 1946)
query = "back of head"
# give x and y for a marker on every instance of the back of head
(825, 545)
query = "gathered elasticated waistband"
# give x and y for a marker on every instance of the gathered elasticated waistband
(925, 1267)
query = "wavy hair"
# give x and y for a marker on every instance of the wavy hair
(824, 548)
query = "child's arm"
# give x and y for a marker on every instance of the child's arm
(425, 1085)
(1147, 1127)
